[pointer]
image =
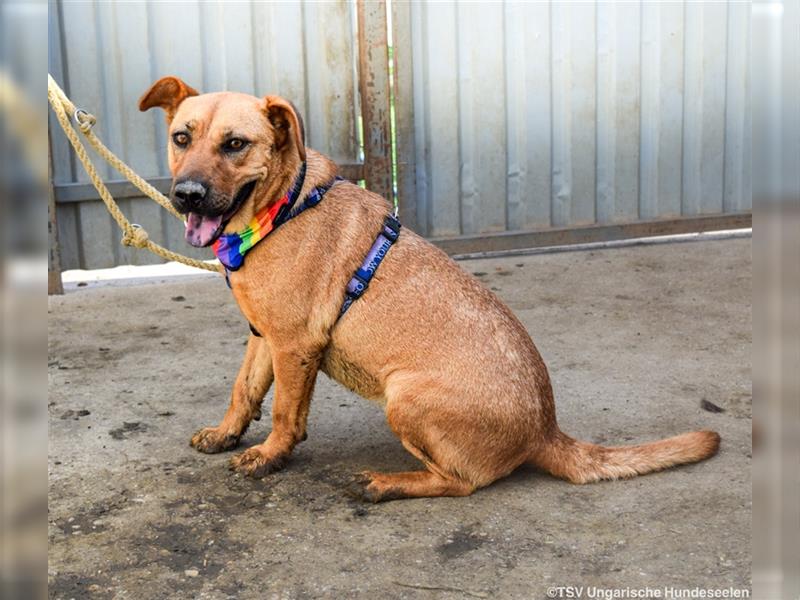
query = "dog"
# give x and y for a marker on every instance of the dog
(463, 386)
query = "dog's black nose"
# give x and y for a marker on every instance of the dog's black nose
(189, 193)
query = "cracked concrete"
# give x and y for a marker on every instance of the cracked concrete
(635, 339)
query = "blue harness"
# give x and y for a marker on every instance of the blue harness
(361, 278)
(358, 284)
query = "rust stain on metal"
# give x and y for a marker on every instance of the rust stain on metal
(373, 65)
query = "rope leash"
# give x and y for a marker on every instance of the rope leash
(132, 234)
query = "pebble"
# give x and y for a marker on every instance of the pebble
(254, 499)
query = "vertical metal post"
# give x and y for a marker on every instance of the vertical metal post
(373, 84)
(54, 284)
(402, 61)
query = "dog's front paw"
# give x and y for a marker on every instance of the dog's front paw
(255, 462)
(211, 440)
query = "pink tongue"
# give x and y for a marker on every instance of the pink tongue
(200, 230)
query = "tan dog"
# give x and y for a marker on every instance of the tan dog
(463, 386)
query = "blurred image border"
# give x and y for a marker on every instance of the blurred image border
(776, 299)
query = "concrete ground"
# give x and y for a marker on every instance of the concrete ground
(635, 339)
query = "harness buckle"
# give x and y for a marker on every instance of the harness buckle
(361, 285)
(391, 228)
(313, 198)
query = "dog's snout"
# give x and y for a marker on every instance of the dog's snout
(190, 192)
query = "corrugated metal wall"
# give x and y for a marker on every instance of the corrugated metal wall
(511, 117)
(536, 115)
(106, 54)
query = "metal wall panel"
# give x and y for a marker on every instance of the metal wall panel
(106, 54)
(512, 117)
(567, 114)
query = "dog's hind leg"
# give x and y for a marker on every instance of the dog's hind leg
(417, 436)
(379, 487)
(462, 450)
(254, 378)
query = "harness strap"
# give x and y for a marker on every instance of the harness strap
(363, 275)
(231, 252)
(359, 282)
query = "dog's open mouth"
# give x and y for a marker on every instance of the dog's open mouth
(203, 230)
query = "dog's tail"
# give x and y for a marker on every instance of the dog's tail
(582, 462)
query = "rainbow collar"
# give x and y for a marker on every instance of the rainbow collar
(230, 248)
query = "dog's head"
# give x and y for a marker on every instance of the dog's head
(224, 149)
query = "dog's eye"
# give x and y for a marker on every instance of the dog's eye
(234, 145)
(181, 139)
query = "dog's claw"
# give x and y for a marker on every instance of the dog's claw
(359, 488)
(253, 463)
(364, 477)
(210, 441)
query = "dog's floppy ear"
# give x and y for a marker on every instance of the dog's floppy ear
(166, 93)
(287, 124)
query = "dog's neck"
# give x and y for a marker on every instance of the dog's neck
(319, 171)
